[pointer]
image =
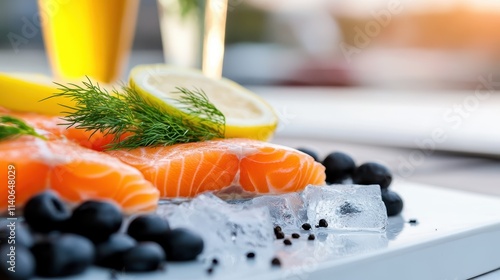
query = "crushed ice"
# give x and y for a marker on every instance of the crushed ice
(232, 229)
(227, 229)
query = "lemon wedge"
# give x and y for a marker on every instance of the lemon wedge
(28, 92)
(247, 114)
(23, 92)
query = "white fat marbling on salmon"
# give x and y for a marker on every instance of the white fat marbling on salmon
(227, 166)
(236, 181)
(47, 156)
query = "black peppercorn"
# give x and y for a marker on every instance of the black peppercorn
(280, 235)
(306, 226)
(277, 229)
(276, 262)
(323, 223)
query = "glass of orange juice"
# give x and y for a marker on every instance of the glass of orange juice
(88, 37)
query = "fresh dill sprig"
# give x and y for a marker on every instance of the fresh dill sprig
(135, 121)
(12, 127)
(196, 103)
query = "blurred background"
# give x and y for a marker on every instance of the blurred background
(376, 43)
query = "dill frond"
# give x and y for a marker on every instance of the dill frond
(134, 121)
(12, 127)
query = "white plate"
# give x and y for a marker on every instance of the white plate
(457, 237)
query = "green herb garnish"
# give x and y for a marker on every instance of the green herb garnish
(12, 127)
(136, 122)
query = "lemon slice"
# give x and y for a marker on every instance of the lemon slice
(247, 114)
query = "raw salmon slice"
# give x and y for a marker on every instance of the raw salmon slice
(75, 172)
(55, 125)
(239, 167)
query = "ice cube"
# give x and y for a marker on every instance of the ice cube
(228, 230)
(346, 207)
(287, 210)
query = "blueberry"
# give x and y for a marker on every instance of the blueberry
(393, 202)
(145, 256)
(108, 252)
(182, 245)
(313, 154)
(372, 173)
(15, 233)
(24, 236)
(148, 228)
(96, 220)
(306, 226)
(17, 264)
(46, 212)
(63, 255)
(338, 167)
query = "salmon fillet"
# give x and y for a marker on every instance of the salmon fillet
(56, 126)
(228, 166)
(74, 172)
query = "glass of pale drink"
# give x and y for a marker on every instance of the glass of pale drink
(193, 33)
